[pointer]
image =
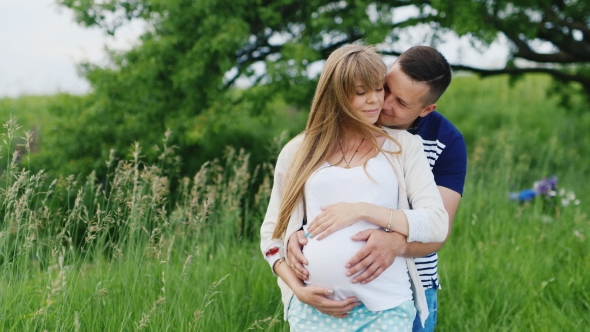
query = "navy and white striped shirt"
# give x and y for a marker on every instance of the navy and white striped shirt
(445, 149)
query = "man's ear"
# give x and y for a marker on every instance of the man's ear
(427, 110)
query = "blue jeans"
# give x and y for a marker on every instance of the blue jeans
(432, 302)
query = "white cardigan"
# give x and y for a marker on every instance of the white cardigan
(419, 199)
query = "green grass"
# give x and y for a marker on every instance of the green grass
(125, 254)
(513, 267)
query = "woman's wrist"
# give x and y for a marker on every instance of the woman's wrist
(282, 269)
(298, 287)
(388, 228)
(378, 215)
(277, 263)
(365, 210)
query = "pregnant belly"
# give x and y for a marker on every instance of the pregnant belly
(328, 256)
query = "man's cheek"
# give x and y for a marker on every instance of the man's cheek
(386, 114)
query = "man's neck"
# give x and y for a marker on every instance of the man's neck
(413, 128)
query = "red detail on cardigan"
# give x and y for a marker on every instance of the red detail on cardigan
(272, 251)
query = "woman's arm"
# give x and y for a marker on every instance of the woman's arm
(421, 215)
(428, 221)
(272, 248)
(340, 215)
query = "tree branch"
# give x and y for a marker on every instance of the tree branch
(584, 81)
(524, 51)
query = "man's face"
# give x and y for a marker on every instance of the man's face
(404, 99)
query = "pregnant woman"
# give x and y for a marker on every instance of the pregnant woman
(345, 174)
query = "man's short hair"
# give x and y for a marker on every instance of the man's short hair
(427, 65)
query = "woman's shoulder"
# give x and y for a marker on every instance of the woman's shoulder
(294, 143)
(291, 147)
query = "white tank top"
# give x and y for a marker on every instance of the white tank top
(327, 257)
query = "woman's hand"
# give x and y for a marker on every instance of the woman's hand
(317, 297)
(334, 217)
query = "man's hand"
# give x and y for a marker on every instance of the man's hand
(317, 297)
(295, 255)
(376, 255)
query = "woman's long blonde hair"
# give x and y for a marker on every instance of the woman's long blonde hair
(331, 114)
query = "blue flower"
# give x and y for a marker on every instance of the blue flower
(524, 195)
(546, 187)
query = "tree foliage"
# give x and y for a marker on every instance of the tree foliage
(184, 73)
(552, 35)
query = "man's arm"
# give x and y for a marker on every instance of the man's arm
(381, 248)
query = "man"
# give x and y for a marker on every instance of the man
(414, 83)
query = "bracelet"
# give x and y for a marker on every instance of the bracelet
(388, 229)
(278, 262)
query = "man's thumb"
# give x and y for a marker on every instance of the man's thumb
(362, 236)
(301, 238)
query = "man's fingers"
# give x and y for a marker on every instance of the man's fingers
(301, 238)
(298, 259)
(295, 256)
(368, 275)
(373, 258)
(299, 274)
(359, 261)
(372, 277)
(300, 270)
(294, 249)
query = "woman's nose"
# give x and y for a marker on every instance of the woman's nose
(372, 97)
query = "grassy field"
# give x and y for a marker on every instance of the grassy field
(31, 111)
(118, 257)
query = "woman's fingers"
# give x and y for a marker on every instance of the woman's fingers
(321, 224)
(325, 232)
(332, 218)
(342, 308)
(318, 297)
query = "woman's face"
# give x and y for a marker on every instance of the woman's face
(367, 102)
